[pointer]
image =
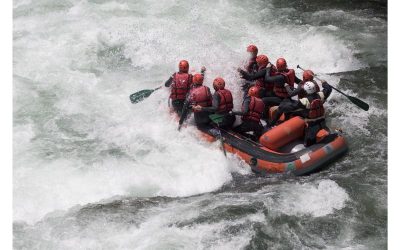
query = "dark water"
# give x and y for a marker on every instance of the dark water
(77, 188)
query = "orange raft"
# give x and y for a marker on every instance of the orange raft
(281, 149)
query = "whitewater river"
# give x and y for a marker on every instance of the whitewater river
(93, 171)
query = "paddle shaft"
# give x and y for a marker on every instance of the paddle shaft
(319, 79)
(361, 104)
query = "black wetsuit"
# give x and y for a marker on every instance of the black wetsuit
(279, 80)
(254, 76)
(290, 106)
(178, 104)
(228, 119)
(251, 68)
(201, 118)
(248, 125)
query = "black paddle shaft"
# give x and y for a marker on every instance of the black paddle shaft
(363, 105)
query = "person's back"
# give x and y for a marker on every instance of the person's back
(252, 111)
(222, 104)
(200, 97)
(308, 76)
(314, 112)
(258, 76)
(180, 83)
(281, 79)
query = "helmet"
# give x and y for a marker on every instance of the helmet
(183, 66)
(198, 79)
(281, 64)
(219, 83)
(252, 48)
(253, 91)
(262, 60)
(309, 87)
(308, 75)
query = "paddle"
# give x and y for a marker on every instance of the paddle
(217, 119)
(142, 94)
(353, 99)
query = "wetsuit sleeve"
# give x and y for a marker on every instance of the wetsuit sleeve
(293, 92)
(250, 77)
(278, 79)
(246, 104)
(297, 80)
(326, 90)
(215, 104)
(169, 81)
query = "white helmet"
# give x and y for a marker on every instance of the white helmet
(309, 87)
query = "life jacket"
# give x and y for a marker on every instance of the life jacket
(226, 101)
(316, 110)
(281, 91)
(260, 83)
(256, 108)
(201, 96)
(180, 86)
(303, 93)
(272, 72)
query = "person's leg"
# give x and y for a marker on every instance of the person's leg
(310, 135)
(242, 128)
(272, 101)
(286, 107)
(227, 121)
(257, 129)
(178, 106)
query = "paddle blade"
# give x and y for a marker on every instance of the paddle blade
(359, 102)
(140, 95)
(216, 118)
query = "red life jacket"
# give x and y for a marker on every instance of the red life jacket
(256, 108)
(180, 86)
(260, 81)
(226, 101)
(316, 107)
(289, 79)
(201, 96)
(270, 87)
(303, 93)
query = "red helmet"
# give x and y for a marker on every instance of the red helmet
(308, 75)
(253, 91)
(262, 61)
(198, 79)
(183, 66)
(252, 48)
(219, 83)
(281, 64)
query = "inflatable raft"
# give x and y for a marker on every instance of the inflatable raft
(281, 149)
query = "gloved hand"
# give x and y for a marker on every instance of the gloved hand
(240, 71)
(325, 85)
(197, 108)
(230, 112)
(203, 69)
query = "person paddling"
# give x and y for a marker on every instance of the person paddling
(311, 109)
(199, 97)
(281, 79)
(180, 83)
(308, 76)
(252, 110)
(258, 76)
(222, 103)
